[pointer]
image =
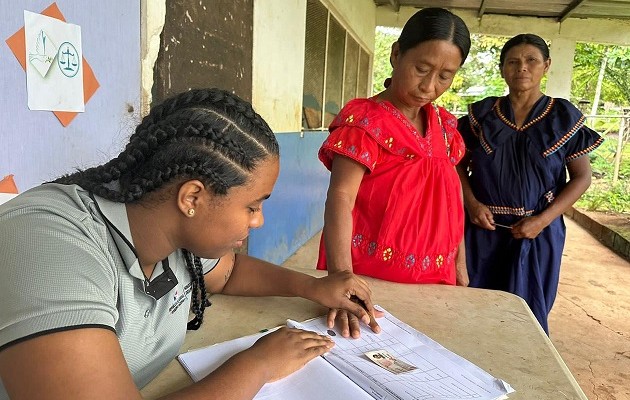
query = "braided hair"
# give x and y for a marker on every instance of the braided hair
(206, 134)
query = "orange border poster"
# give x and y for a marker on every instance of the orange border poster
(17, 44)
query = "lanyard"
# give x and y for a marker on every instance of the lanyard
(159, 286)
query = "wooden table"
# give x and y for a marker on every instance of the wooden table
(495, 330)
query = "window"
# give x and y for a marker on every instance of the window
(336, 68)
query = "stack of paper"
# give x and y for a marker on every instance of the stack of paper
(416, 367)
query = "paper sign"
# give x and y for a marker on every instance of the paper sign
(54, 73)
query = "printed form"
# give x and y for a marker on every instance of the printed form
(439, 373)
(346, 372)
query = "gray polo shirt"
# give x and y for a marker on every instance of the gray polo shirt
(65, 267)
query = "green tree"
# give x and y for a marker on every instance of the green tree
(382, 69)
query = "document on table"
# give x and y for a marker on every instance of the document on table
(346, 372)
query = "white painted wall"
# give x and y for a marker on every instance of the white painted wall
(278, 53)
(278, 62)
(152, 17)
(358, 17)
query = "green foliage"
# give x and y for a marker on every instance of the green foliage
(607, 197)
(384, 39)
(587, 62)
(603, 195)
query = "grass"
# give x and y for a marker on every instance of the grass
(603, 195)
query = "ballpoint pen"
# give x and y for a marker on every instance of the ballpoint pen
(502, 226)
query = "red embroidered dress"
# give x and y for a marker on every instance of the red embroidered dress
(408, 218)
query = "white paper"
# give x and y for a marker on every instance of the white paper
(4, 197)
(330, 384)
(54, 70)
(441, 374)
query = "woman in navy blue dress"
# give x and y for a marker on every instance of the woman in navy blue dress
(514, 177)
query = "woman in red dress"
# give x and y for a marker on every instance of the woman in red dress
(394, 205)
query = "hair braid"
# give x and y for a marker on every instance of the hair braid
(198, 295)
(209, 135)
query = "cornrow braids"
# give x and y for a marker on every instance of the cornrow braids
(210, 135)
(199, 295)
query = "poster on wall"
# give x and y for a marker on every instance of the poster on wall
(54, 74)
(17, 44)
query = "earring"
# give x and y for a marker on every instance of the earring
(191, 212)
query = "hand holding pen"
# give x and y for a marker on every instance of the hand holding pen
(349, 299)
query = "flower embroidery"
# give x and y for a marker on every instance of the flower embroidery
(387, 254)
(410, 261)
(364, 122)
(371, 248)
(357, 240)
(425, 263)
(365, 156)
(350, 118)
(338, 144)
(389, 141)
(352, 150)
(439, 260)
(411, 156)
(377, 131)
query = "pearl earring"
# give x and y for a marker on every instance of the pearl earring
(191, 212)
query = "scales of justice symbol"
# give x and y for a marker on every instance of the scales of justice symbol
(68, 59)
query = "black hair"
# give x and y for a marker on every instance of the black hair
(435, 24)
(525, 38)
(207, 134)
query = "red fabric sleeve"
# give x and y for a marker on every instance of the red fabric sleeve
(352, 142)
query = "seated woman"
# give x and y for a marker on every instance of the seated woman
(101, 267)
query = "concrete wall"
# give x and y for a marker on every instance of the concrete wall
(294, 213)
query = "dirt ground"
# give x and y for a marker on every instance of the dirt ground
(618, 222)
(590, 322)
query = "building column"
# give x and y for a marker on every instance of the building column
(562, 51)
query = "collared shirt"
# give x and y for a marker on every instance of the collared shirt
(64, 267)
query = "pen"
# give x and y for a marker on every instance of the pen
(360, 302)
(502, 226)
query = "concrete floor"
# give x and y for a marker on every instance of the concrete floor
(590, 322)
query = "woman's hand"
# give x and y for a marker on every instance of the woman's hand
(343, 292)
(481, 215)
(529, 227)
(286, 350)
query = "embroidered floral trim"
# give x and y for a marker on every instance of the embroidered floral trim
(520, 211)
(512, 125)
(392, 256)
(422, 140)
(585, 151)
(549, 196)
(579, 124)
(476, 130)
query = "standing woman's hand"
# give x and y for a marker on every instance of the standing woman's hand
(343, 292)
(481, 215)
(461, 268)
(529, 227)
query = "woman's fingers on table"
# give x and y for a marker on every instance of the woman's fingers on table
(286, 350)
(344, 290)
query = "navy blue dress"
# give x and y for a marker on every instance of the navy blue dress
(517, 172)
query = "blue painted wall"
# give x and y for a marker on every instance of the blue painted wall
(295, 211)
